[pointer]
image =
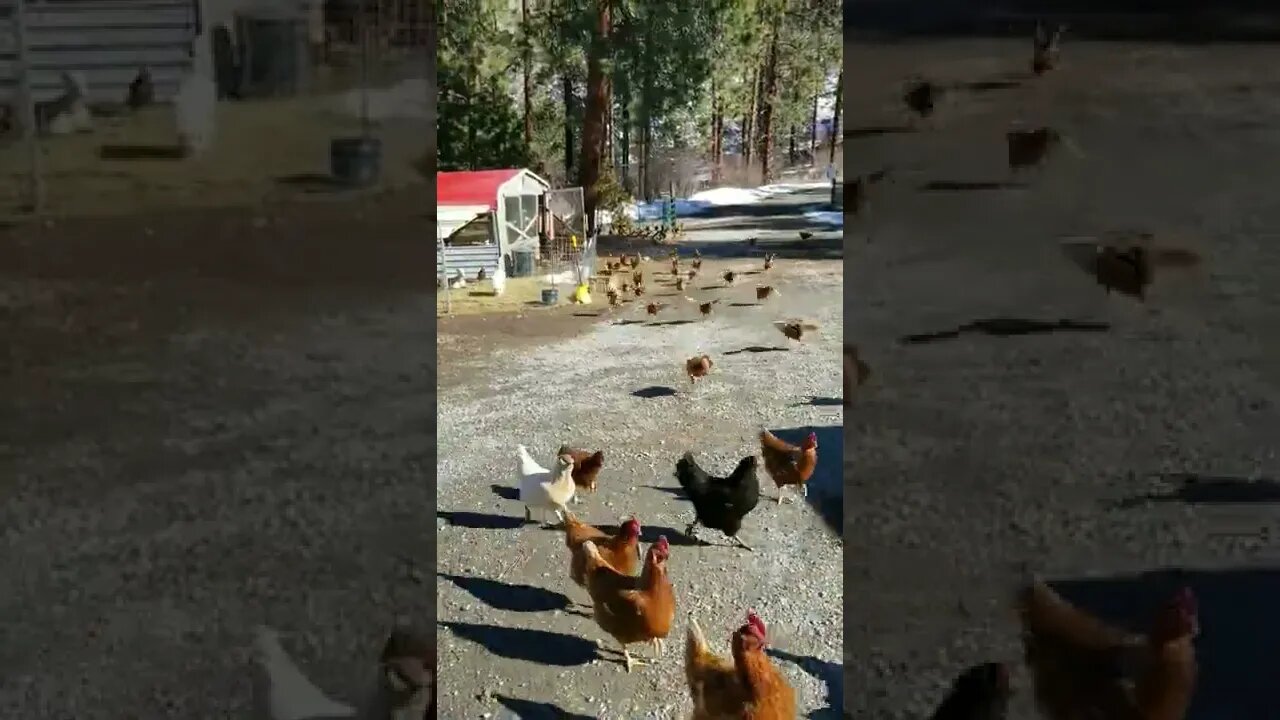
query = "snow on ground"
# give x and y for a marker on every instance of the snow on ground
(830, 218)
(702, 202)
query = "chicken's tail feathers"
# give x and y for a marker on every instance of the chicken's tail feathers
(696, 640)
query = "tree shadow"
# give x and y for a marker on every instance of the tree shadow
(878, 130)
(1007, 327)
(531, 710)
(654, 391)
(744, 304)
(828, 673)
(504, 492)
(1240, 629)
(629, 322)
(668, 323)
(481, 521)
(826, 486)
(816, 401)
(753, 349)
(588, 314)
(1197, 489)
(968, 186)
(507, 596)
(536, 646)
(981, 86)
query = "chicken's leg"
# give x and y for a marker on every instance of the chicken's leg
(657, 647)
(740, 544)
(528, 514)
(628, 660)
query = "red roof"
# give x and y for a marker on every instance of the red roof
(475, 187)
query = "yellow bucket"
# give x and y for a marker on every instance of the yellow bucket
(582, 295)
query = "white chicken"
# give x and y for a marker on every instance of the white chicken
(543, 489)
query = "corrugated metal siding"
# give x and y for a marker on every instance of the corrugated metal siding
(469, 259)
(104, 40)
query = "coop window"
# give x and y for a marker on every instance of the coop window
(478, 231)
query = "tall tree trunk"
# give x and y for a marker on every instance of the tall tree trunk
(748, 122)
(624, 156)
(813, 132)
(593, 115)
(526, 81)
(608, 123)
(719, 132)
(791, 145)
(768, 91)
(566, 87)
(715, 131)
(835, 116)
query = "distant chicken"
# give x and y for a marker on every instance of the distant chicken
(805, 234)
(764, 292)
(630, 609)
(795, 329)
(620, 551)
(142, 90)
(480, 275)
(922, 97)
(720, 503)
(1045, 48)
(705, 308)
(857, 191)
(698, 367)
(729, 276)
(1082, 668)
(544, 489)
(638, 290)
(613, 297)
(625, 287)
(637, 277)
(679, 284)
(1128, 267)
(789, 464)
(768, 260)
(980, 693)
(675, 266)
(1030, 148)
(586, 467)
(693, 274)
(749, 687)
(856, 372)
(654, 308)
(697, 263)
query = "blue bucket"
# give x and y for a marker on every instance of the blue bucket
(550, 296)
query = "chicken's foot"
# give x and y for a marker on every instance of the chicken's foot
(630, 661)
(658, 646)
(737, 540)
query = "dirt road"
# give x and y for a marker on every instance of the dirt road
(1095, 457)
(511, 642)
(210, 420)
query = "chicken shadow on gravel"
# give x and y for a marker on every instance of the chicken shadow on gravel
(1239, 630)
(480, 521)
(1007, 327)
(829, 673)
(504, 492)
(1195, 489)
(509, 596)
(654, 391)
(826, 486)
(535, 646)
(649, 534)
(816, 401)
(755, 349)
(530, 710)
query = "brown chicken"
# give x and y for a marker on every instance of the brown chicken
(805, 234)
(693, 274)
(1030, 148)
(856, 372)
(698, 367)
(613, 297)
(639, 290)
(979, 693)
(705, 308)
(625, 287)
(788, 464)
(679, 284)
(1128, 265)
(586, 467)
(768, 260)
(748, 688)
(654, 308)
(675, 266)
(637, 277)
(630, 609)
(765, 291)
(729, 277)
(795, 329)
(857, 192)
(1082, 668)
(621, 551)
(922, 97)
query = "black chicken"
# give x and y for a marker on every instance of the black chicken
(922, 97)
(720, 503)
(142, 90)
(979, 693)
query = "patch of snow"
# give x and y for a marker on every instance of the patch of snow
(829, 218)
(701, 202)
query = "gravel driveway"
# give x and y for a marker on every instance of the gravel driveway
(510, 643)
(211, 419)
(1118, 462)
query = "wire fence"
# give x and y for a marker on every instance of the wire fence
(565, 246)
(105, 106)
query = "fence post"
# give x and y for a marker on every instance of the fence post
(444, 269)
(27, 100)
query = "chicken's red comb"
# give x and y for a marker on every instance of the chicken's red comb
(811, 441)
(662, 544)
(754, 621)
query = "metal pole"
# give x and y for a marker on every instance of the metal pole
(28, 107)
(444, 268)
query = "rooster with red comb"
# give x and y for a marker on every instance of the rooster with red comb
(789, 464)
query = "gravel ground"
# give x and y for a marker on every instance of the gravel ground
(1116, 462)
(510, 645)
(211, 420)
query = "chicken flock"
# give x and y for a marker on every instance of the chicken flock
(1080, 668)
(632, 599)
